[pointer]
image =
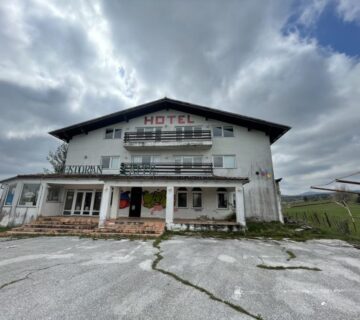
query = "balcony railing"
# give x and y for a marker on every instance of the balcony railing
(203, 135)
(166, 169)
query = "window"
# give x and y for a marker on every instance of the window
(110, 162)
(223, 131)
(222, 198)
(10, 195)
(145, 159)
(29, 194)
(197, 197)
(112, 133)
(225, 162)
(188, 160)
(149, 133)
(182, 198)
(187, 132)
(53, 194)
(217, 131)
(228, 131)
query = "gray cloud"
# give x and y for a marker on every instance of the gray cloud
(70, 61)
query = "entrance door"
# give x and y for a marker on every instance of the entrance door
(135, 202)
(79, 202)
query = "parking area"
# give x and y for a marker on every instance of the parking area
(74, 278)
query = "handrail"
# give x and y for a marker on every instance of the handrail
(166, 168)
(167, 136)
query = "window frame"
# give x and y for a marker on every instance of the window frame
(223, 162)
(59, 194)
(21, 195)
(224, 192)
(182, 191)
(113, 132)
(110, 162)
(222, 135)
(13, 185)
(199, 192)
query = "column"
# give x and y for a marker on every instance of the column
(240, 205)
(115, 202)
(169, 218)
(105, 205)
(44, 193)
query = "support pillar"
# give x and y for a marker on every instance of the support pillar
(115, 203)
(105, 205)
(44, 193)
(169, 215)
(240, 205)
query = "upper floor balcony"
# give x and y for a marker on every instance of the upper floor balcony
(166, 168)
(158, 139)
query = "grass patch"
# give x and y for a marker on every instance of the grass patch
(290, 254)
(275, 231)
(264, 266)
(4, 229)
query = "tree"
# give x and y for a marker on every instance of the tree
(57, 159)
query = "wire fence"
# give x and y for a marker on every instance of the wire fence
(339, 224)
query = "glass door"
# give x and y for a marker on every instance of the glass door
(80, 202)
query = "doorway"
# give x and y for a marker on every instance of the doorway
(135, 202)
(82, 202)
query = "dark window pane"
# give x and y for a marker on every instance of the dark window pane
(228, 131)
(109, 133)
(197, 200)
(117, 134)
(78, 203)
(105, 162)
(53, 194)
(222, 201)
(218, 162)
(217, 131)
(97, 201)
(69, 200)
(182, 200)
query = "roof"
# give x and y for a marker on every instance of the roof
(122, 177)
(274, 130)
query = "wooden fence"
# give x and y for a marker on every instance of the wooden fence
(343, 225)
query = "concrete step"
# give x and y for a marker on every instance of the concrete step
(61, 226)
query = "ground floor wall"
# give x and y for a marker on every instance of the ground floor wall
(153, 204)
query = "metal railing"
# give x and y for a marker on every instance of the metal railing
(166, 169)
(203, 135)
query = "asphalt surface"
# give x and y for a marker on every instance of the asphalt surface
(72, 278)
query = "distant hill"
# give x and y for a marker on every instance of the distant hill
(307, 196)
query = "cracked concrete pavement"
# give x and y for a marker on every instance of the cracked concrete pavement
(73, 278)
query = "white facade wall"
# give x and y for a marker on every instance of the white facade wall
(251, 148)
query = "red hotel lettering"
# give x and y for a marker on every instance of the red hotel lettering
(181, 119)
(148, 120)
(159, 120)
(171, 118)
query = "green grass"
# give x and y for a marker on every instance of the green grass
(320, 207)
(326, 215)
(275, 231)
(4, 229)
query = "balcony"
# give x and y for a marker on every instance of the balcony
(198, 139)
(163, 169)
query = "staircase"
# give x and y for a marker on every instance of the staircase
(88, 226)
(133, 227)
(57, 225)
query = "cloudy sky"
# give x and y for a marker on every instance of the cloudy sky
(295, 63)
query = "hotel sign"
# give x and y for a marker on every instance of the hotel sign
(83, 169)
(169, 119)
